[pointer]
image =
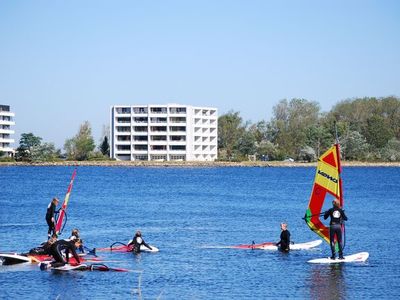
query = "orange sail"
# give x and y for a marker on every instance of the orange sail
(60, 219)
(327, 182)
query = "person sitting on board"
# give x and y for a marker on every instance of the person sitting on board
(50, 219)
(75, 236)
(68, 246)
(337, 217)
(138, 241)
(283, 244)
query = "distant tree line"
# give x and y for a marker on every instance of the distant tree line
(80, 147)
(368, 129)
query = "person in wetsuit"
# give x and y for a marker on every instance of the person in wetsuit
(50, 219)
(137, 241)
(55, 250)
(337, 215)
(75, 235)
(284, 243)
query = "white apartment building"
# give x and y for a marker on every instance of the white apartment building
(163, 133)
(6, 121)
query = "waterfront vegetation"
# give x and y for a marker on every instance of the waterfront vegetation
(368, 130)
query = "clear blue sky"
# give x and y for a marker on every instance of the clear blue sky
(64, 62)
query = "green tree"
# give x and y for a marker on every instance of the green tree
(230, 129)
(81, 145)
(290, 123)
(354, 146)
(391, 152)
(105, 147)
(27, 143)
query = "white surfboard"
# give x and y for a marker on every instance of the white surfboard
(13, 258)
(145, 249)
(71, 268)
(296, 246)
(358, 257)
(47, 266)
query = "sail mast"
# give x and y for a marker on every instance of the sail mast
(60, 219)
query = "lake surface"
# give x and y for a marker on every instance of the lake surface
(184, 210)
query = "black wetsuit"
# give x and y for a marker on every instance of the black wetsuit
(51, 210)
(337, 217)
(58, 247)
(136, 243)
(283, 244)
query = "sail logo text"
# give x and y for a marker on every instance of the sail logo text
(323, 174)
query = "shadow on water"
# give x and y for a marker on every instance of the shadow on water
(327, 282)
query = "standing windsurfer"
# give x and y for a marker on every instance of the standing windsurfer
(337, 217)
(51, 222)
(283, 244)
(137, 241)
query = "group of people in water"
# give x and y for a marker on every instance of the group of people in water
(55, 247)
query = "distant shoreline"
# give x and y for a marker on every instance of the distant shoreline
(196, 164)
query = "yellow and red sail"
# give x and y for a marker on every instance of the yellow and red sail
(60, 219)
(327, 181)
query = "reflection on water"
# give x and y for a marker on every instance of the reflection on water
(327, 282)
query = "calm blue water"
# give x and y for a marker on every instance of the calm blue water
(181, 210)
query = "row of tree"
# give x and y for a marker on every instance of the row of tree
(80, 147)
(368, 129)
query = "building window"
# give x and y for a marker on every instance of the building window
(177, 128)
(140, 147)
(177, 138)
(158, 110)
(141, 138)
(159, 128)
(123, 110)
(140, 157)
(158, 147)
(177, 120)
(158, 137)
(177, 110)
(158, 120)
(123, 129)
(123, 138)
(123, 147)
(140, 128)
(177, 147)
(140, 110)
(140, 120)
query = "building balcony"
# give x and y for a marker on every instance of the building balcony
(7, 113)
(6, 149)
(123, 143)
(122, 133)
(139, 152)
(4, 140)
(6, 131)
(5, 122)
(122, 151)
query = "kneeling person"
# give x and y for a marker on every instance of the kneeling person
(284, 243)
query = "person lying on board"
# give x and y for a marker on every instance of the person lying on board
(138, 241)
(75, 235)
(284, 244)
(50, 219)
(337, 218)
(56, 249)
